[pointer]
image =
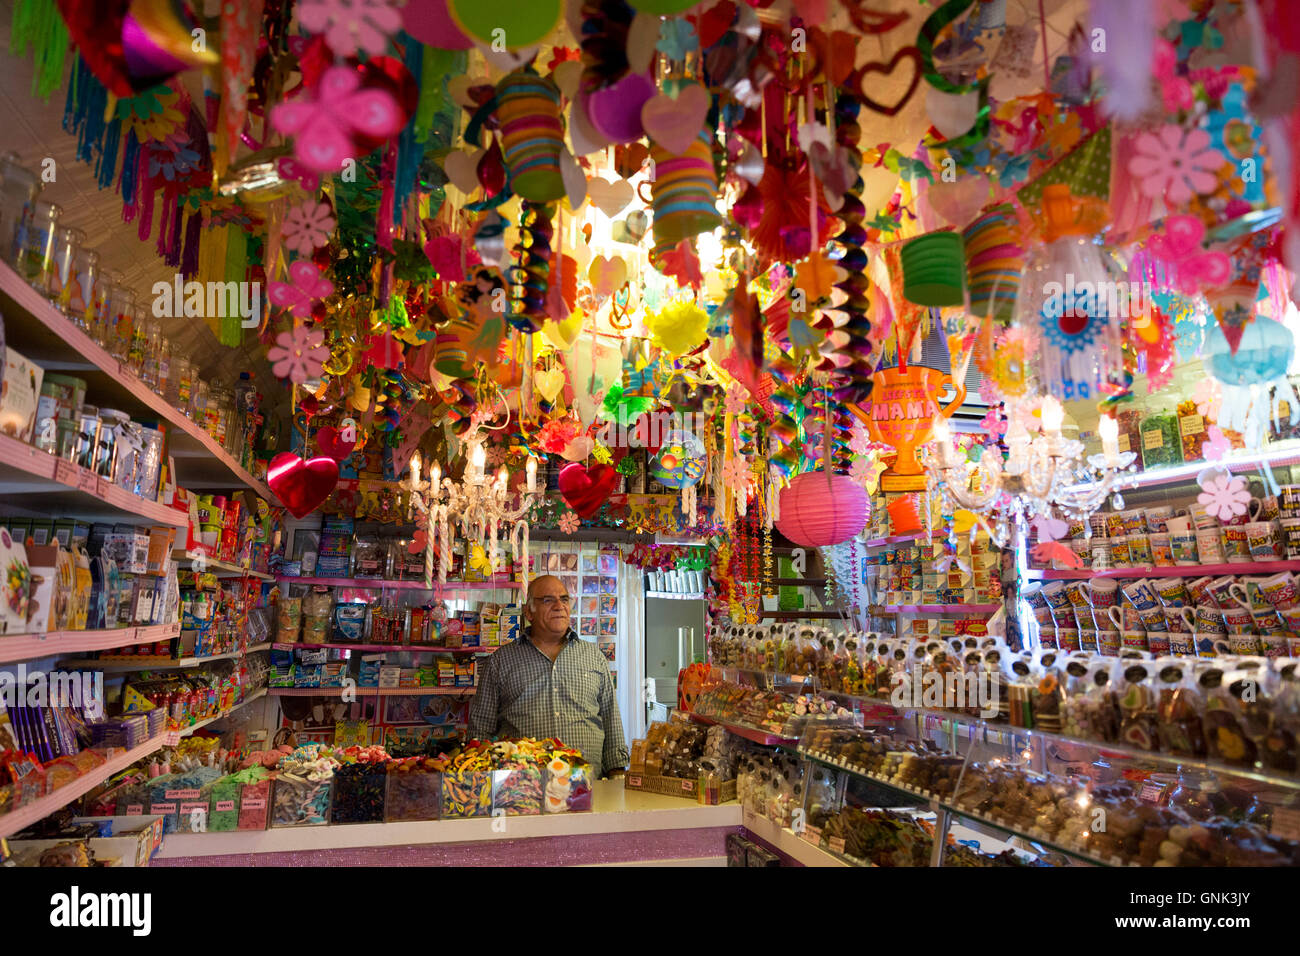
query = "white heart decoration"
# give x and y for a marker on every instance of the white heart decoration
(566, 76)
(507, 60)
(582, 136)
(462, 169)
(574, 179)
(549, 383)
(611, 198)
(642, 37)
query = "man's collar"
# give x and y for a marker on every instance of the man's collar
(569, 635)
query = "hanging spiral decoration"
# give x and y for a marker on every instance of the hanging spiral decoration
(605, 25)
(533, 273)
(854, 380)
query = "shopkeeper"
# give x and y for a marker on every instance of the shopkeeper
(551, 684)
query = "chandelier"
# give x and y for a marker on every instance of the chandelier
(476, 508)
(1042, 474)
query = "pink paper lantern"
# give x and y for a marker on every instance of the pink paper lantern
(818, 513)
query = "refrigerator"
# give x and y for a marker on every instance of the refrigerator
(674, 638)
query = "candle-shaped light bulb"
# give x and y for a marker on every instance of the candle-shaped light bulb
(1053, 414)
(478, 461)
(435, 478)
(503, 476)
(531, 470)
(415, 470)
(1108, 427)
(941, 432)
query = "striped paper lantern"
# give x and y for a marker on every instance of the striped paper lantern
(532, 136)
(816, 513)
(684, 191)
(994, 261)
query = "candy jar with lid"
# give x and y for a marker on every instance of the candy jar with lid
(1178, 709)
(1137, 704)
(1225, 733)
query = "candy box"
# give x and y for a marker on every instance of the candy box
(517, 791)
(466, 793)
(131, 839)
(299, 801)
(414, 792)
(223, 813)
(20, 394)
(254, 805)
(359, 790)
(568, 787)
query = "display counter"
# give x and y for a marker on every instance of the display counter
(624, 826)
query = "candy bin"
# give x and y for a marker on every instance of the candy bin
(466, 792)
(254, 802)
(568, 783)
(360, 783)
(517, 791)
(303, 787)
(414, 790)
(223, 813)
(133, 799)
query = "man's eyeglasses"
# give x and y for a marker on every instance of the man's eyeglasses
(550, 600)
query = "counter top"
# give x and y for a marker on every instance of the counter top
(614, 810)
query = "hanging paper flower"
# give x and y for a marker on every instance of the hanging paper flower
(1049, 528)
(153, 114)
(305, 286)
(556, 435)
(299, 354)
(738, 475)
(861, 469)
(1207, 394)
(1189, 267)
(679, 328)
(1217, 446)
(323, 121)
(350, 25)
(307, 227)
(1224, 495)
(569, 522)
(497, 455)
(859, 441)
(737, 396)
(1175, 164)
(294, 171)
(993, 422)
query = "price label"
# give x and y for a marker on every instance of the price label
(1192, 425)
(1124, 444)
(1153, 439)
(224, 806)
(162, 809)
(181, 794)
(66, 473)
(688, 785)
(836, 844)
(634, 781)
(134, 809)
(1286, 823)
(812, 835)
(88, 482)
(253, 803)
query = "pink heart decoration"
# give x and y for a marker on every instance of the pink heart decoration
(330, 443)
(674, 123)
(301, 486)
(615, 111)
(586, 489)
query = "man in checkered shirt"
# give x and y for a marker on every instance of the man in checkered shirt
(551, 684)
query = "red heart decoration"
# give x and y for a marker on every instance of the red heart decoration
(586, 489)
(908, 52)
(330, 443)
(302, 486)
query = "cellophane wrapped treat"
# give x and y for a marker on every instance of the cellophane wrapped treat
(414, 789)
(568, 782)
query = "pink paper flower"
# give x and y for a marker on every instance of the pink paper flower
(569, 522)
(1049, 528)
(737, 474)
(323, 121)
(859, 440)
(1207, 395)
(497, 455)
(290, 169)
(1217, 446)
(299, 354)
(737, 396)
(307, 227)
(1189, 267)
(1224, 495)
(1175, 164)
(305, 287)
(350, 25)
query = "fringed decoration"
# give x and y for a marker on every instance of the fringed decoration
(145, 201)
(130, 167)
(164, 223)
(190, 254)
(38, 23)
(83, 117)
(231, 331)
(408, 153)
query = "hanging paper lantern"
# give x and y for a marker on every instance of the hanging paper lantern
(994, 259)
(816, 512)
(934, 269)
(684, 191)
(532, 135)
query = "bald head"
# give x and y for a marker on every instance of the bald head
(547, 608)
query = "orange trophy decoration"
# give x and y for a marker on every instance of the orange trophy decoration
(903, 407)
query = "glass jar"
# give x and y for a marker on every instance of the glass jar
(151, 343)
(101, 321)
(60, 276)
(221, 402)
(110, 421)
(81, 305)
(87, 437)
(19, 187)
(163, 364)
(38, 243)
(180, 382)
(198, 410)
(149, 464)
(122, 319)
(139, 341)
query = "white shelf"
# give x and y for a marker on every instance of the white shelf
(172, 738)
(789, 842)
(220, 568)
(152, 665)
(26, 647)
